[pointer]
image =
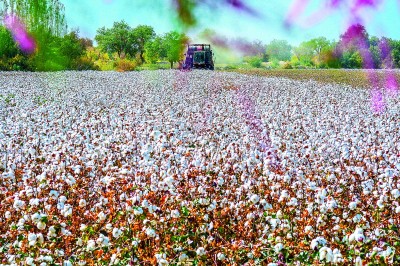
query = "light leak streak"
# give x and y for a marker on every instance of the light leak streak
(19, 33)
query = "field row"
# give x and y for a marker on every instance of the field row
(170, 167)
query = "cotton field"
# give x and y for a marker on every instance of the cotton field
(195, 168)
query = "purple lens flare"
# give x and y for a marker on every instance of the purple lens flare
(19, 33)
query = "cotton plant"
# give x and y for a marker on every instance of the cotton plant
(138, 168)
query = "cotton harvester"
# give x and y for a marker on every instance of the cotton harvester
(199, 56)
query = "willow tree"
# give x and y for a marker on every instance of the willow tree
(38, 15)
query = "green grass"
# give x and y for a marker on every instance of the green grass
(354, 78)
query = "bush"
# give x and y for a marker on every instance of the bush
(123, 65)
(230, 67)
(287, 65)
(85, 63)
(274, 63)
(16, 63)
(254, 61)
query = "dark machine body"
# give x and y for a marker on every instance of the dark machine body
(199, 56)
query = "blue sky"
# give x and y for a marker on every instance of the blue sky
(89, 15)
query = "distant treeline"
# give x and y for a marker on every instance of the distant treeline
(355, 49)
(123, 47)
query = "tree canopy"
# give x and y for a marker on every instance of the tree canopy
(38, 16)
(116, 39)
(279, 50)
(140, 36)
(174, 43)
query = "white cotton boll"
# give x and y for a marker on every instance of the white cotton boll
(21, 223)
(101, 216)
(312, 186)
(18, 204)
(32, 238)
(395, 193)
(175, 214)
(103, 241)
(137, 211)
(29, 192)
(152, 208)
(204, 201)
(319, 241)
(183, 257)
(284, 194)
(116, 232)
(83, 227)
(221, 256)
(109, 227)
(352, 205)
(67, 263)
(145, 204)
(292, 202)
(278, 247)
(53, 194)
(36, 217)
(82, 203)
(7, 215)
(34, 202)
(357, 236)
(201, 251)
(150, 232)
(286, 178)
(62, 199)
(29, 261)
(91, 245)
(380, 204)
(41, 225)
(67, 210)
(398, 209)
(254, 198)
(308, 229)
(52, 232)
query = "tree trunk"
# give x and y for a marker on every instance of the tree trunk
(141, 57)
(172, 64)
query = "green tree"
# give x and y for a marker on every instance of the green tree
(376, 56)
(352, 44)
(329, 58)
(351, 59)
(309, 52)
(318, 45)
(37, 15)
(395, 45)
(154, 50)
(72, 49)
(174, 43)
(140, 36)
(279, 50)
(45, 21)
(8, 48)
(48, 56)
(355, 38)
(304, 53)
(117, 39)
(253, 61)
